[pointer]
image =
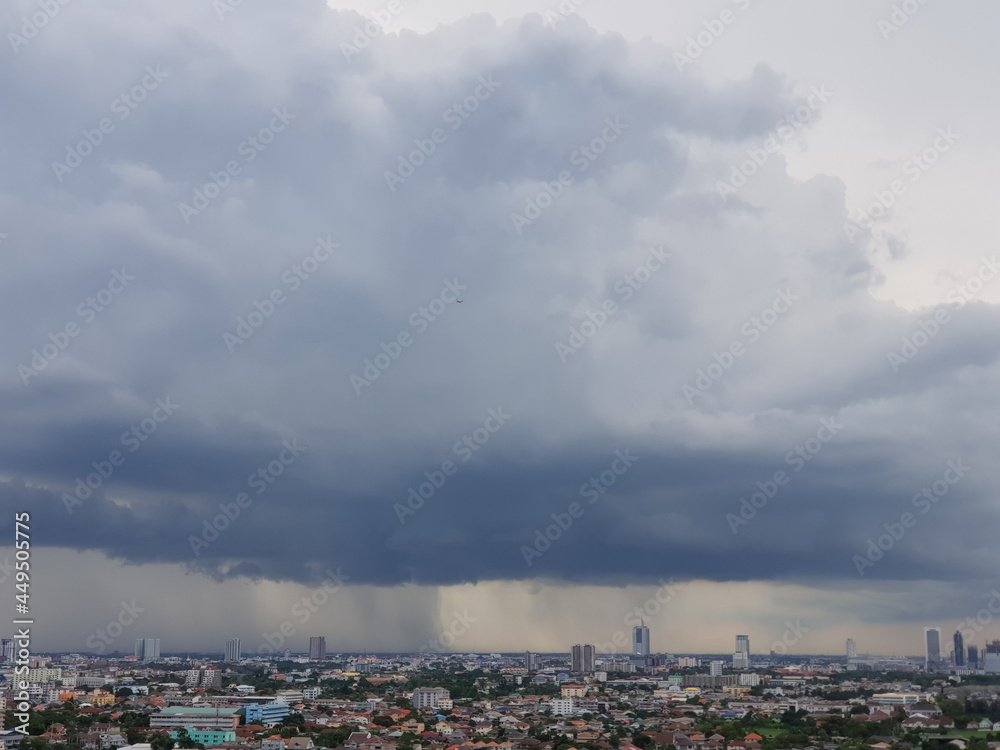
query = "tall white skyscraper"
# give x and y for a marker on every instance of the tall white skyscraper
(640, 640)
(852, 649)
(234, 650)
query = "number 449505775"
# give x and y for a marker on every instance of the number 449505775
(23, 544)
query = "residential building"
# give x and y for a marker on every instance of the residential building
(429, 697)
(234, 650)
(530, 661)
(852, 649)
(562, 706)
(147, 649)
(715, 667)
(317, 648)
(583, 658)
(959, 649)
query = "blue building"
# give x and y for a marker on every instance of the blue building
(267, 714)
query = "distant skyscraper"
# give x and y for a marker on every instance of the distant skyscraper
(234, 651)
(743, 644)
(973, 656)
(741, 656)
(530, 661)
(317, 648)
(715, 668)
(640, 640)
(852, 649)
(147, 649)
(959, 649)
(7, 651)
(583, 658)
(932, 637)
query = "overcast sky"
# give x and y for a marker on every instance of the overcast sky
(702, 250)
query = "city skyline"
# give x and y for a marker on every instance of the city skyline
(432, 342)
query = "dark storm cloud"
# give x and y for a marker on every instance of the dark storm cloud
(344, 125)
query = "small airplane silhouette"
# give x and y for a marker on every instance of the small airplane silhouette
(460, 302)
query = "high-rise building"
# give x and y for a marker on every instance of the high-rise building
(317, 648)
(583, 658)
(715, 668)
(959, 654)
(530, 661)
(932, 636)
(741, 656)
(147, 649)
(852, 649)
(973, 656)
(7, 651)
(234, 650)
(640, 640)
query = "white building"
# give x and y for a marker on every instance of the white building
(429, 697)
(562, 706)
